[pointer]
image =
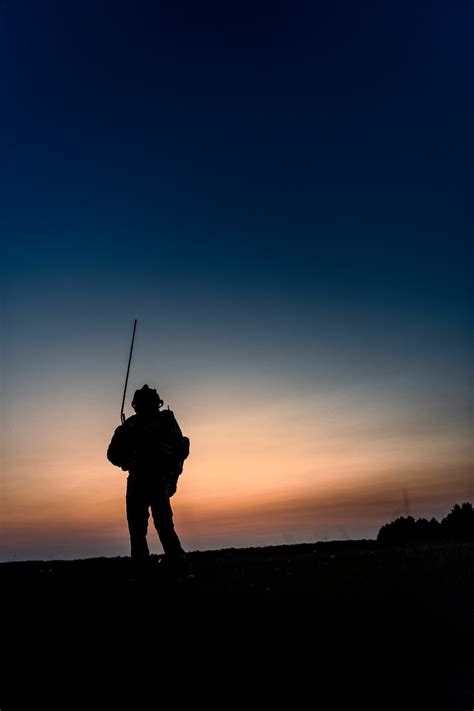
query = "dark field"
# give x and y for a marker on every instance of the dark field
(325, 625)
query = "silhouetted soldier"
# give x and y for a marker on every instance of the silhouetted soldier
(150, 445)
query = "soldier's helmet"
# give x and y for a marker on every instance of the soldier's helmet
(146, 399)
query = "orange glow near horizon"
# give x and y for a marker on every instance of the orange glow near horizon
(274, 473)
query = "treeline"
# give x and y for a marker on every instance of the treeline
(457, 526)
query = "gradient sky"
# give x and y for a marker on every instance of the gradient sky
(281, 193)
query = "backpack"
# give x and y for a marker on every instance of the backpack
(175, 445)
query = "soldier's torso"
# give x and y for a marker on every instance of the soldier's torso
(149, 436)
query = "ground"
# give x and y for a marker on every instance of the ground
(328, 625)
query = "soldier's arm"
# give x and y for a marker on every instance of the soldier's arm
(120, 451)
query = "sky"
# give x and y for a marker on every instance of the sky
(281, 194)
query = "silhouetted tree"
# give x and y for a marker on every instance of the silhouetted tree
(458, 525)
(427, 530)
(399, 531)
(434, 530)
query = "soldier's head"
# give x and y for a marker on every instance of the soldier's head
(146, 401)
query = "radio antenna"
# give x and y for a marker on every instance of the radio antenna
(122, 415)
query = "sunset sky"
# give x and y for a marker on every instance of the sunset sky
(281, 194)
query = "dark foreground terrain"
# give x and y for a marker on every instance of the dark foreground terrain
(324, 626)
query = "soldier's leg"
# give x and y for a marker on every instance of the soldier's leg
(163, 520)
(137, 518)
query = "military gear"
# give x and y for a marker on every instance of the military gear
(122, 414)
(152, 443)
(146, 399)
